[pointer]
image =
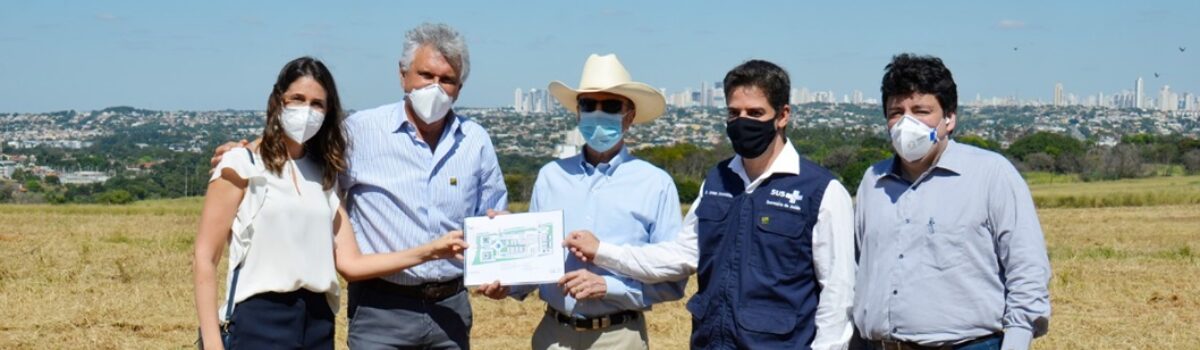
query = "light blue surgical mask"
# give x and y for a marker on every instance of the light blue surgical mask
(601, 130)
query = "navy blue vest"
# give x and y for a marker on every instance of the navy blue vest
(758, 286)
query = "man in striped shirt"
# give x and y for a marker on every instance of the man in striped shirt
(415, 170)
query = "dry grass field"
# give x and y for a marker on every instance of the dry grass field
(1126, 260)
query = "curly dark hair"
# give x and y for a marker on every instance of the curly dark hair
(328, 147)
(908, 74)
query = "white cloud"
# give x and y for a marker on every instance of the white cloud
(1010, 24)
(107, 17)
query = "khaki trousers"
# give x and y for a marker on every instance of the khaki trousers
(552, 335)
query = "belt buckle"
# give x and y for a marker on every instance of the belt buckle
(429, 290)
(892, 345)
(597, 323)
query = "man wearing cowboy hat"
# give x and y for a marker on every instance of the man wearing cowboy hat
(619, 197)
(770, 238)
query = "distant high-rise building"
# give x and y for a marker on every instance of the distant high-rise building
(858, 97)
(519, 100)
(534, 101)
(1058, 95)
(1139, 94)
(1164, 99)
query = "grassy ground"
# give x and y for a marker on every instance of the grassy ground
(1155, 191)
(119, 277)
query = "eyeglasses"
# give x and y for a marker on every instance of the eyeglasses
(608, 106)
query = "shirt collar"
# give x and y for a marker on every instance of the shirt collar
(606, 168)
(788, 162)
(952, 159)
(404, 125)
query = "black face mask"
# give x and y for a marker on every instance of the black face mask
(750, 138)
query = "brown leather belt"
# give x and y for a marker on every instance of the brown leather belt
(432, 291)
(591, 324)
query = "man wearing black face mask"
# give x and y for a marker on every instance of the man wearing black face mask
(771, 235)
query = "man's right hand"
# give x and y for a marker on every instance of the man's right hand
(220, 151)
(583, 244)
(493, 290)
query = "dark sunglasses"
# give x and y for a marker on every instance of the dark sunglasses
(608, 106)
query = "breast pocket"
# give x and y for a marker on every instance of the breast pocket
(944, 245)
(781, 241)
(459, 190)
(711, 230)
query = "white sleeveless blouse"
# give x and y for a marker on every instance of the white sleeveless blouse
(282, 237)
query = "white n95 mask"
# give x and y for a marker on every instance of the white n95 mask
(301, 123)
(912, 139)
(430, 103)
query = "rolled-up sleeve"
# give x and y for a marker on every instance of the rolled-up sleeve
(1021, 249)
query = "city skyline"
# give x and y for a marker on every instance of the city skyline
(710, 94)
(224, 54)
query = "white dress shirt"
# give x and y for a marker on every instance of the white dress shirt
(832, 247)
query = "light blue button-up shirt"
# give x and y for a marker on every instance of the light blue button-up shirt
(400, 194)
(626, 201)
(956, 255)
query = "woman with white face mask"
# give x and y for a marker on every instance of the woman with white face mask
(277, 206)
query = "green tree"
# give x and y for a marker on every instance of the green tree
(1048, 143)
(979, 141)
(115, 197)
(688, 189)
(6, 191)
(33, 185)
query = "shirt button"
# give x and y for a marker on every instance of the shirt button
(902, 256)
(895, 291)
(906, 221)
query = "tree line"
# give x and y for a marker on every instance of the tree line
(847, 153)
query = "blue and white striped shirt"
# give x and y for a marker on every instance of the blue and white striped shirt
(401, 195)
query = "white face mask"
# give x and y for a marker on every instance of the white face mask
(912, 139)
(301, 123)
(430, 103)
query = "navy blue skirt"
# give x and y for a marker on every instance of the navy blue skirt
(293, 320)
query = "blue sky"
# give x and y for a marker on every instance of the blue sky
(225, 54)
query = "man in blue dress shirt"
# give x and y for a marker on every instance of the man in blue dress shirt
(619, 197)
(951, 251)
(416, 170)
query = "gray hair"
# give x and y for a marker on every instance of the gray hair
(442, 38)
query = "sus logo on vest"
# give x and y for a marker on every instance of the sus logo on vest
(790, 197)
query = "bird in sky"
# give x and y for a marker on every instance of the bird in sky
(1156, 74)
(1182, 49)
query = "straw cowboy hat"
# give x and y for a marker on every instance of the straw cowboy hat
(606, 74)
